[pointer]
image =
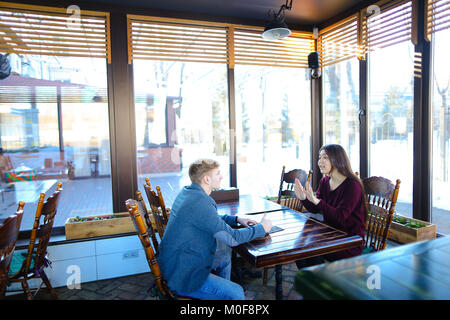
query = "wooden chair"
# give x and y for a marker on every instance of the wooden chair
(163, 290)
(147, 218)
(159, 211)
(381, 197)
(31, 265)
(9, 231)
(286, 194)
(5, 165)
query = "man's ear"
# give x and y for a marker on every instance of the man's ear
(206, 179)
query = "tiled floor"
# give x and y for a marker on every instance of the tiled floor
(135, 288)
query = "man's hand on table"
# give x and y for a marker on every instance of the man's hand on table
(246, 222)
(267, 224)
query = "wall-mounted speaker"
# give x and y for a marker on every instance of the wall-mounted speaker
(313, 60)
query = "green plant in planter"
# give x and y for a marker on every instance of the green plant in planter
(414, 224)
(399, 219)
(84, 219)
(407, 223)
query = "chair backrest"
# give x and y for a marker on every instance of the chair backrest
(9, 231)
(286, 190)
(147, 218)
(158, 207)
(381, 197)
(142, 232)
(42, 231)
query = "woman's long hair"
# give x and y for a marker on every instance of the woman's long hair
(339, 160)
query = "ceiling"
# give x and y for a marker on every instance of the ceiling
(303, 12)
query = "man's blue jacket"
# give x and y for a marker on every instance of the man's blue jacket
(187, 250)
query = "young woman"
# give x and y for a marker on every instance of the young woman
(339, 197)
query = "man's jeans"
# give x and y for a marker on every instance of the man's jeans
(219, 287)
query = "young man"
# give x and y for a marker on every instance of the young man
(187, 250)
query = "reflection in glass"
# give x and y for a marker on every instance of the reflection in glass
(341, 105)
(390, 119)
(181, 115)
(273, 126)
(54, 127)
(440, 98)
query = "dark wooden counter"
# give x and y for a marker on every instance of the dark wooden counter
(410, 272)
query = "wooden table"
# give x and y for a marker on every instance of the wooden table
(301, 238)
(26, 191)
(248, 205)
(409, 272)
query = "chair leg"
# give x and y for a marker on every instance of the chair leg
(48, 285)
(26, 289)
(265, 276)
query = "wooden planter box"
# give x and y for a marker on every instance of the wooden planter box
(121, 223)
(404, 234)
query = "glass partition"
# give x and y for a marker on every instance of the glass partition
(341, 106)
(440, 98)
(390, 118)
(54, 127)
(273, 125)
(181, 115)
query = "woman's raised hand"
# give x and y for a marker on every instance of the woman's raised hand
(299, 190)
(309, 192)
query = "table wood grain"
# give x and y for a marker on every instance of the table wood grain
(248, 205)
(409, 272)
(301, 238)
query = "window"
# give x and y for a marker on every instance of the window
(341, 106)
(386, 38)
(390, 119)
(438, 33)
(181, 116)
(273, 112)
(182, 107)
(339, 49)
(54, 122)
(54, 127)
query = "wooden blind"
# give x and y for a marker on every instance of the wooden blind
(51, 94)
(339, 41)
(437, 16)
(392, 25)
(27, 29)
(165, 40)
(155, 38)
(251, 49)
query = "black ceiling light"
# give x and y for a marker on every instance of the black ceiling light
(5, 67)
(277, 28)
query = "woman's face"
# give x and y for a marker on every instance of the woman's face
(324, 163)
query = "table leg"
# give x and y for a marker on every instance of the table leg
(278, 282)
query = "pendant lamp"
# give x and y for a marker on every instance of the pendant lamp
(277, 29)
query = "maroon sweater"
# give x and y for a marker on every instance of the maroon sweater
(343, 209)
